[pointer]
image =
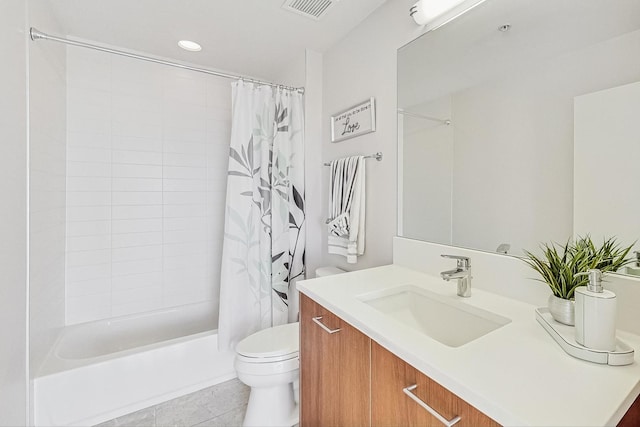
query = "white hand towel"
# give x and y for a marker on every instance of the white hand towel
(347, 207)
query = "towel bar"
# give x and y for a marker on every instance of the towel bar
(377, 156)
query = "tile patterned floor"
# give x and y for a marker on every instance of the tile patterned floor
(222, 405)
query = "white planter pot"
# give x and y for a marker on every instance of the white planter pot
(562, 310)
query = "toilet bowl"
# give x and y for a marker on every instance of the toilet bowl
(268, 362)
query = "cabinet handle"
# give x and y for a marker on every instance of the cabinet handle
(443, 420)
(319, 323)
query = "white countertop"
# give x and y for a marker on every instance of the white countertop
(517, 374)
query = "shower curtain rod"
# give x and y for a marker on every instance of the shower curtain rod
(421, 116)
(39, 35)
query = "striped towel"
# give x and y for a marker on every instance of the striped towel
(347, 207)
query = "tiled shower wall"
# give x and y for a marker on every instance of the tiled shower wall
(147, 155)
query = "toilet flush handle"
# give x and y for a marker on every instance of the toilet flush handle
(319, 323)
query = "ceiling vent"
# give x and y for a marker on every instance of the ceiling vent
(314, 9)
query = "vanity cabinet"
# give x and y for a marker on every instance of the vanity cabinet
(334, 369)
(403, 396)
(347, 379)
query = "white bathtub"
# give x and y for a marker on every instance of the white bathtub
(104, 369)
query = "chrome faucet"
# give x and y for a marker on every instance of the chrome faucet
(462, 273)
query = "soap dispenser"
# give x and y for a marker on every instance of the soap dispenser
(595, 310)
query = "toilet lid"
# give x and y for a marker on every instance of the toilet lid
(271, 342)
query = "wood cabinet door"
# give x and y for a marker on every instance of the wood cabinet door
(392, 406)
(334, 370)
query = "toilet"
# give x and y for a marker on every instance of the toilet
(268, 362)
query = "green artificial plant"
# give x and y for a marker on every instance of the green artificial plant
(559, 265)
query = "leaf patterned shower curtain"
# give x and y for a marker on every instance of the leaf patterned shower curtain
(264, 230)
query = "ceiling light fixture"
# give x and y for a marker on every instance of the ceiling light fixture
(190, 46)
(439, 12)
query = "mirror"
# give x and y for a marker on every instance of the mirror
(518, 124)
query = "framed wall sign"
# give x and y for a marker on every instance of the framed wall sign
(354, 121)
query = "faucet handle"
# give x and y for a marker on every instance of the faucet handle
(463, 261)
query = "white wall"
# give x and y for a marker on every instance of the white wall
(13, 214)
(146, 179)
(361, 65)
(47, 151)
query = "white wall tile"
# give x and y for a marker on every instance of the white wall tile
(174, 224)
(146, 146)
(181, 172)
(184, 197)
(133, 281)
(183, 145)
(78, 183)
(133, 143)
(85, 124)
(219, 95)
(127, 198)
(145, 103)
(89, 287)
(88, 228)
(88, 69)
(185, 262)
(138, 307)
(184, 211)
(88, 307)
(136, 171)
(185, 90)
(136, 225)
(136, 212)
(136, 267)
(136, 295)
(88, 243)
(87, 140)
(184, 185)
(87, 169)
(173, 278)
(88, 213)
(183, 236)
(87, 272)
(136, 239)
(137, 157)
(182, 159)
(89, 257)
(142, 127)
(88, 198)
(89, 154)
(136, 253)
(137, 184)
(178, 249)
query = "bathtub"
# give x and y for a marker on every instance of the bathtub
(104, 369)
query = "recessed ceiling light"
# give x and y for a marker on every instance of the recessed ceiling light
(189, 45)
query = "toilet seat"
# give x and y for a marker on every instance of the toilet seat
(281, 358)
(274, 344)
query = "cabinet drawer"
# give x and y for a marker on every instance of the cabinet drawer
(334, 369)
(401, 395)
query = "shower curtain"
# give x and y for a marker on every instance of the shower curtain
(264, 230)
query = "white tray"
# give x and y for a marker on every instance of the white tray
(565, 336)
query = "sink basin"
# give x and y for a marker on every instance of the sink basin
(442, 318)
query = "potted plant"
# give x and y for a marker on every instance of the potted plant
(559, 268)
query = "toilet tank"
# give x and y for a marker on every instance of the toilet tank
(328, 271)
